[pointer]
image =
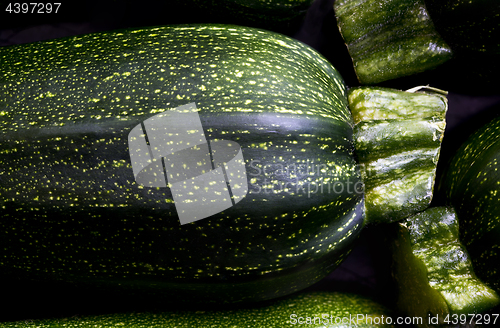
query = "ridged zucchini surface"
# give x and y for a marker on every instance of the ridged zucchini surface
(69, 203)
(472, 185)
(71, 209)
(397, 184)
(313, 309)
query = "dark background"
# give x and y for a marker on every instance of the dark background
(366, 270)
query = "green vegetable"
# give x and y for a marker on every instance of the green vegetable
(314, 309)
(71, 209)
(397, 184)
(434, 271)
(389, 39)
(472, 185)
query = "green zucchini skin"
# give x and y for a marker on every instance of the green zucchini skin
(389, 39)
(315, 309)
(472, 186)
(71, 210)
(68, 105)
(433, 270)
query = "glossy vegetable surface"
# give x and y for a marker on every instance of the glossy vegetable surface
(389, 39)
(434, 271)
(315, 309)
(68, 105)
(473, 185)
(397, 184)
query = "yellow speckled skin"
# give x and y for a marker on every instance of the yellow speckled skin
(320, 309)
(473, 188)
(70, 207)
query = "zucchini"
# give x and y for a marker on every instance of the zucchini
(472, 184)
(389, 39)
(315, 309)
(434, 272)
(67, 107)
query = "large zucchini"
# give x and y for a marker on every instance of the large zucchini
(71, 209)
(472, 186)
